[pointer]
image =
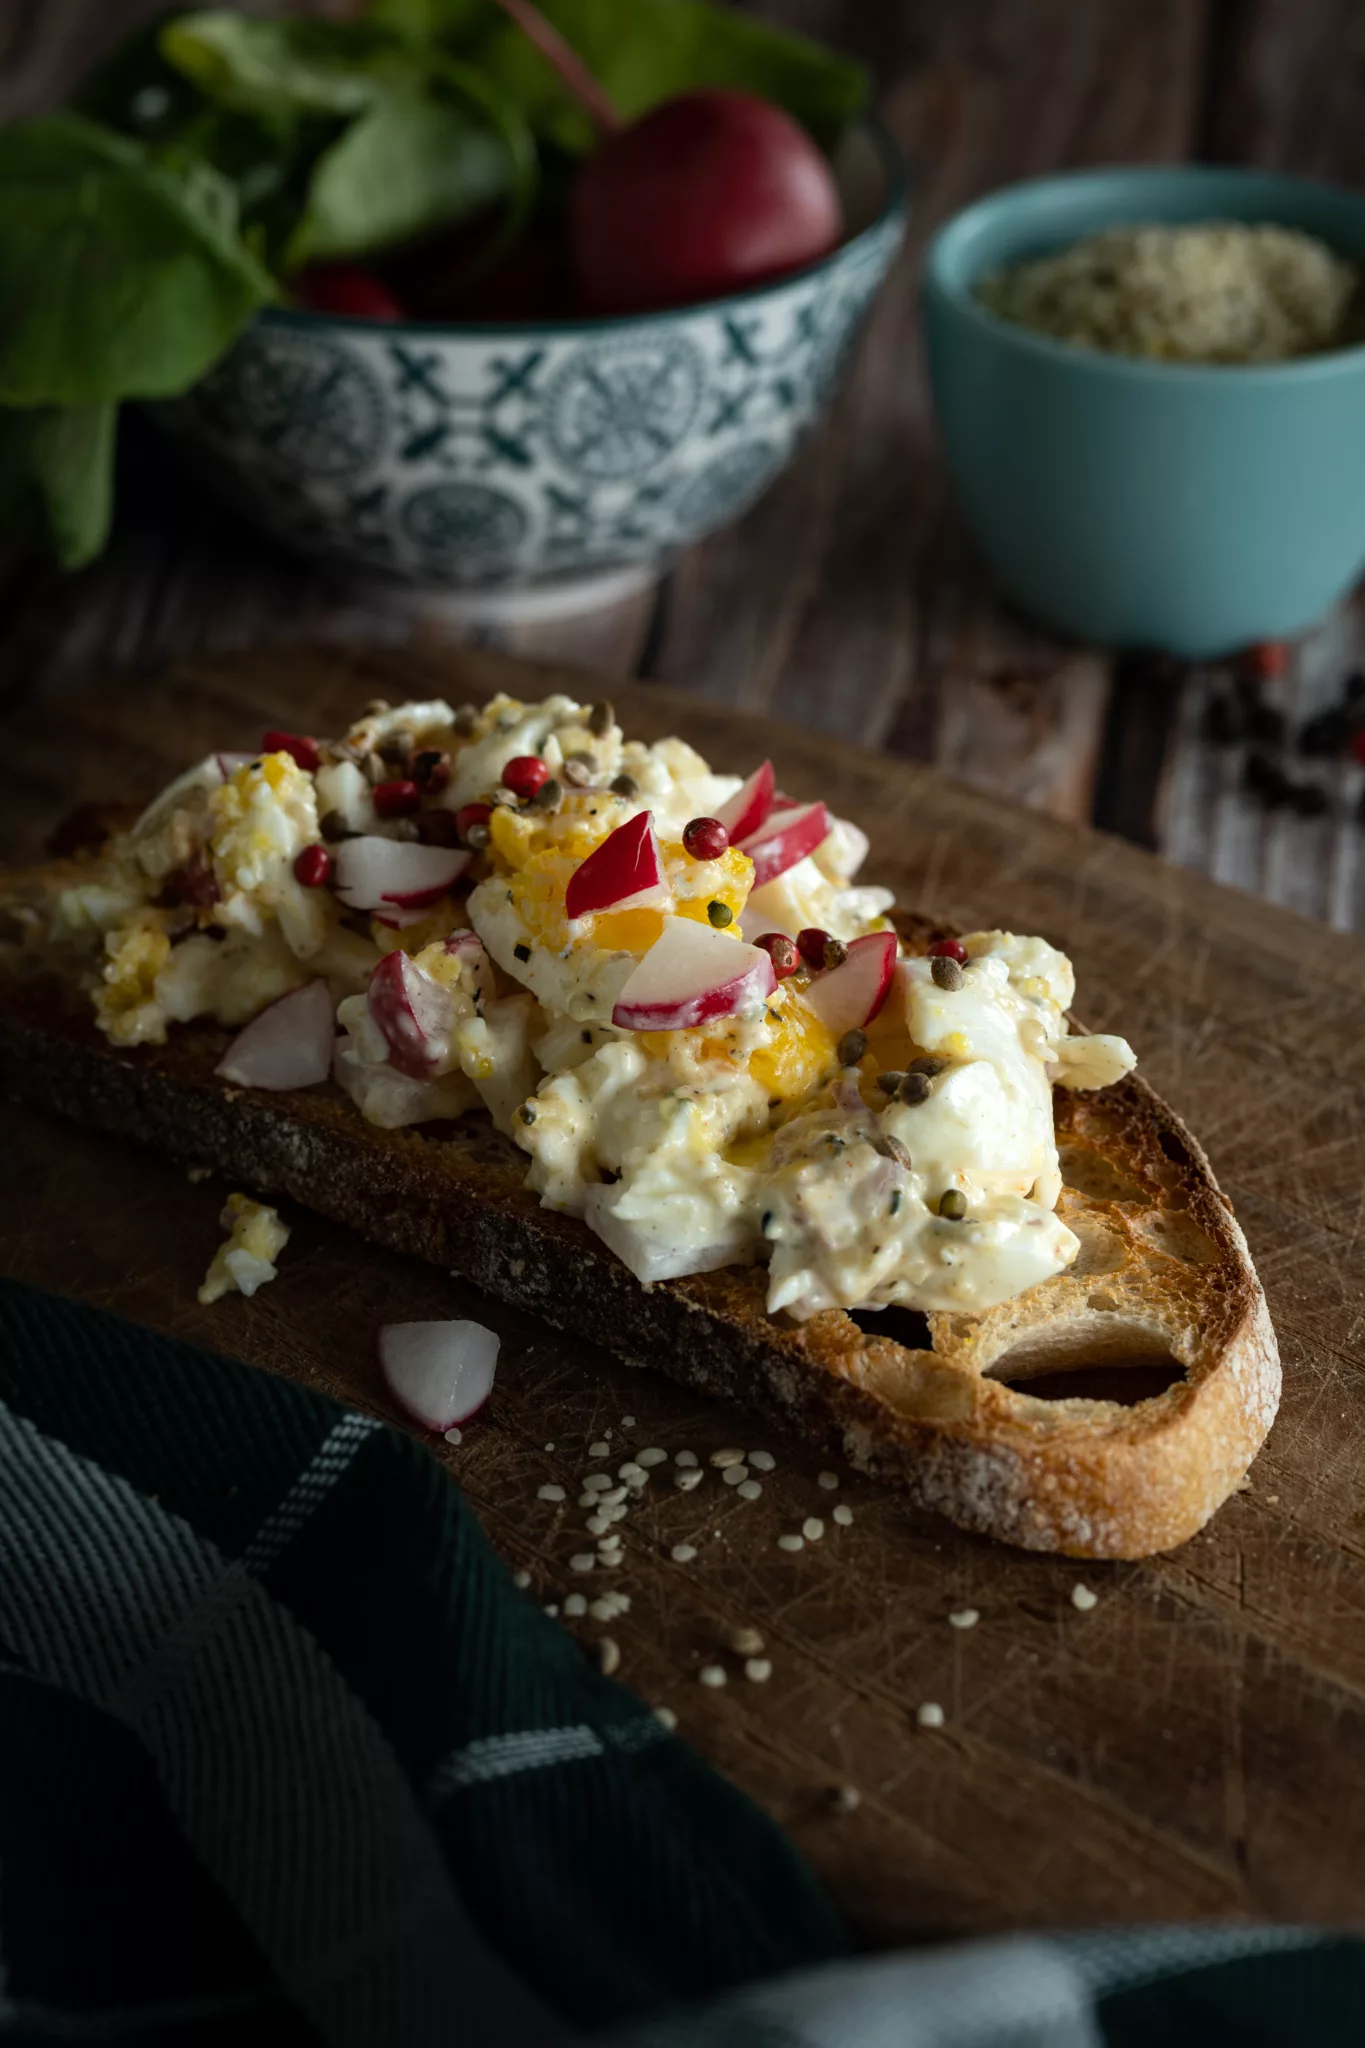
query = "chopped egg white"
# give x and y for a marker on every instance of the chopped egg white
(737, 1140)
(256, 1237)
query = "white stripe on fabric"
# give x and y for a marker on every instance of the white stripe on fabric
(537, 1749)
(503, 1756)
(1012, 1993)
(284, 1785)
(328, 1463)
(1114, 1959)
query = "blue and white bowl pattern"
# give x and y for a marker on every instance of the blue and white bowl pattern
(477, 456)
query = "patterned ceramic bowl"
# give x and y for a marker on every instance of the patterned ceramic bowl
(534, 457)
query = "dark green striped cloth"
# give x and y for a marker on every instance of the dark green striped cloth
(286, 1758)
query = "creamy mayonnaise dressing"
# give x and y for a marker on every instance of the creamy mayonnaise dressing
(739, 1140)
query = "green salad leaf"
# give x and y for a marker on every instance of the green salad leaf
(416, 162)
(641, 51)
(119, 278)
(141, 94)
(415, 143)
(279, 70)
(57, 478)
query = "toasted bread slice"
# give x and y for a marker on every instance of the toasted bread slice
(963, 1411)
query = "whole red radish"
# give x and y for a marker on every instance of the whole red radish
(706, 194)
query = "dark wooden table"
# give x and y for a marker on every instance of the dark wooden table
(1195, 1752)
(848, 599)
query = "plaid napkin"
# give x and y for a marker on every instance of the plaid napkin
(286, 1758)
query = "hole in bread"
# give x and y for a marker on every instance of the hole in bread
(1104, 1301)
(1090, 1173)
(1117, 1360)
(1122, 1385)
(907, 1326)
(1102, 1250)
(1175, 1151)
(1178, 1235)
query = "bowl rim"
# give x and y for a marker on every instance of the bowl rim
(895, 206)
(1075, 356)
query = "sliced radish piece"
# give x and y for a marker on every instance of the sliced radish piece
(691, 975)
(785, 838)
(745, 811)
(397, 920)
(228, 764)
(848, 996)
(373, 872)
(414, 1013)
(287, 1046)
(625, 872)
(440, 1373)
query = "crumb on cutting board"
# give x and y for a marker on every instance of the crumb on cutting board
(246, 1259)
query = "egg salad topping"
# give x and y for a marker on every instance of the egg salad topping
(704, 1038)
(246, 1260)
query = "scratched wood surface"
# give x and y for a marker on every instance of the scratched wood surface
(1193, 1746)
(848, 599)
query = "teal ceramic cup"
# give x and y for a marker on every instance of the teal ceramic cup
(1190, 508)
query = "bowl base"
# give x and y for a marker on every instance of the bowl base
(518, 604)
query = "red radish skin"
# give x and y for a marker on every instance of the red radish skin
(439, 1373)
(785, 838)
(747, 809)
(708, 193)
(347, 289)
(691, 976)
(228, 764)
(414, 1013)
(625, 872)
(847, 997)
(287, 1046)
(373, 873)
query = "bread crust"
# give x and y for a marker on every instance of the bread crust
(1164, 1276)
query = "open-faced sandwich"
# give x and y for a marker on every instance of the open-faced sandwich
(626, 1042)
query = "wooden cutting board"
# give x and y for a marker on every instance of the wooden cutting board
(1192, 1746)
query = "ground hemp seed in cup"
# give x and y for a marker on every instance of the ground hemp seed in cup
(1208, 292)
